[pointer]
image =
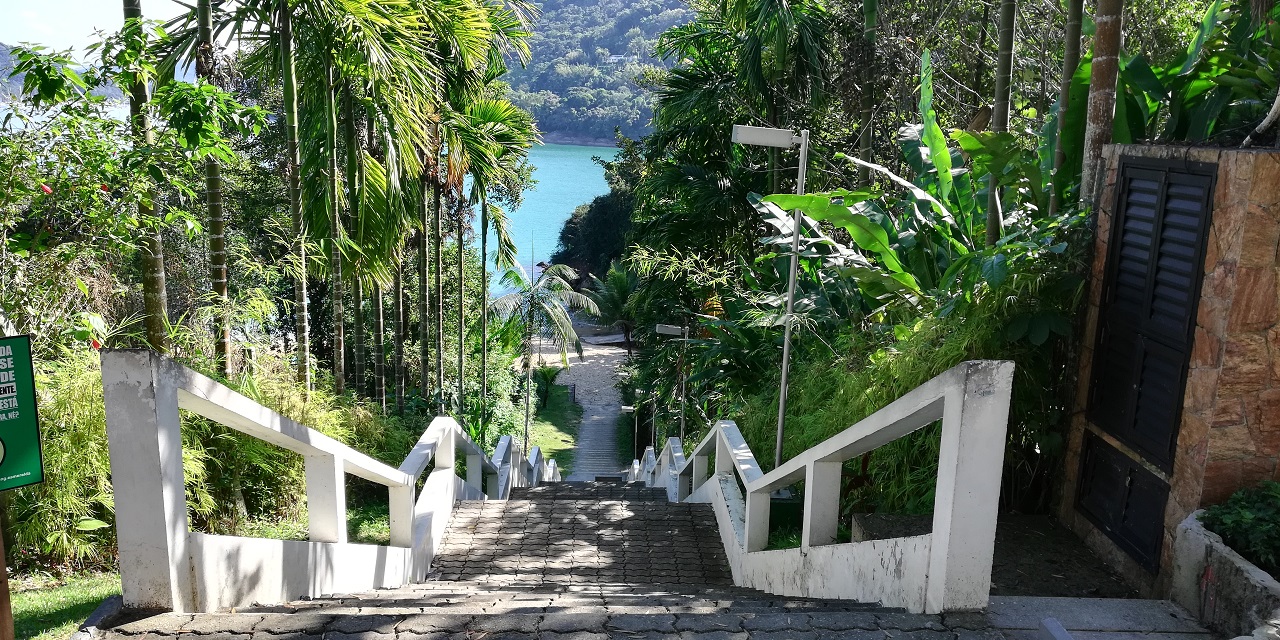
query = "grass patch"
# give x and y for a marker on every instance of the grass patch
(626, 436)
(555, 428)
(52, 608)
(370, 523)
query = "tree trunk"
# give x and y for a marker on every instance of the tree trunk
(867, 97)
(1000, 113)
(439, 285)
(155, 295)
(528, 378)
(379, 349)
(398, 310)
(335, 241)
(1102, 93)
(484, 302)
(424, 291)
(213, 199)
(357, 295)
(462, 309)
(353, 215)
(1070, 60)
(294, 163)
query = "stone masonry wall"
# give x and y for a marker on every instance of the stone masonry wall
(1230, 432)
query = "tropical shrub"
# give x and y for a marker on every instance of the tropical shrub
(1249, 522)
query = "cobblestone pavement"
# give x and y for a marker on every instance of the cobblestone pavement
(580, 533)
(609, 562)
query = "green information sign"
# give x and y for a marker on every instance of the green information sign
(21, 462)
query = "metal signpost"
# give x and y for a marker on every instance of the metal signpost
(782, 138)
(21, 462)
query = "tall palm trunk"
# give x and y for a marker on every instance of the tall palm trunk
(335, 241)
(439, 285)
(424, 291)
(1070, 60)
(484, 299)
(462, 306)
(379, 349)
(294, 162)
(1000, 113)
(870, 22)
(528, 375)
(213, 199)
(155, 296)
(398, 310)
(1102, 93)
(357, 327)
(353, 202)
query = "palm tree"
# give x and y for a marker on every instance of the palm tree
(613, 297)
(155, 297)
(386, 50)
(1000, 113)
(379, 349)
(1101, 110)
(542, 307)
(498, 141)
(205, 65)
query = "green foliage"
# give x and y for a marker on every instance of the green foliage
(1249, 522)
(581, 80)
(545, 379)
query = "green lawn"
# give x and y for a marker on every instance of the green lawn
(52, 609)
(555, 428)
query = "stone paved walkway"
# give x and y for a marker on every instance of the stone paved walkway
(596, 450)
(584, 533)
(612, 562)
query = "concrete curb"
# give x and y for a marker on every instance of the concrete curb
(1226, 592)
(105, 612)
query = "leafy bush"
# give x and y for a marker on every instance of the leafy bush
(1249, 522)
(234, 483)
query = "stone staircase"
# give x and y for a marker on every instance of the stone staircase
(593, 561)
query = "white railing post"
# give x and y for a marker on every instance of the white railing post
(974, 421)
(446, 451)
(401, 502)
(821, 504)
(724, 455)
(757, 525)
(146, 473)
(475, 470)
(326, 499)
(699, 472)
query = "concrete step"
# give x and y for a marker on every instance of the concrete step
(1020, 618)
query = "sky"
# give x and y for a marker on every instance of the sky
(70, 24)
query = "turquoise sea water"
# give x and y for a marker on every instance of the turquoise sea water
(566, 178)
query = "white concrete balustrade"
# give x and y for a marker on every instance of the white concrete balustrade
(948, 569)
(165, 565)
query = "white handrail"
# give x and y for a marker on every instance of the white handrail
(946, 570)
(164, 565)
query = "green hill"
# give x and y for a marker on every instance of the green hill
(587, 54)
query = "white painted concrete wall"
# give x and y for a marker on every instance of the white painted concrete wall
(946, 570)
(163, 565)
(229, 571)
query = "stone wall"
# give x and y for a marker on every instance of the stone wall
(1230, 432)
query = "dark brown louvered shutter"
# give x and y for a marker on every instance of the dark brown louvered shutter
(1149, 303)
(1145, 330)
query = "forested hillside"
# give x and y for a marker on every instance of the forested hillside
(587, 56)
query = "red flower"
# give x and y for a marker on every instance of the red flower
(45, 188)
(93, 342)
